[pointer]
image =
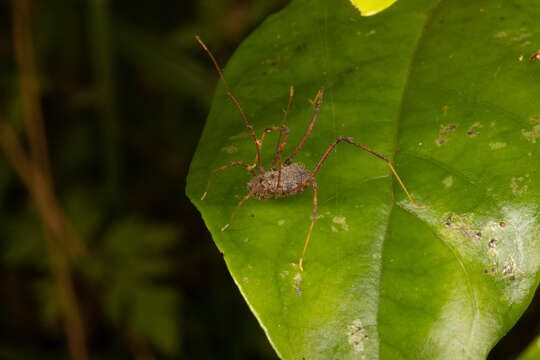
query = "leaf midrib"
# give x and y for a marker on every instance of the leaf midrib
(427, 22)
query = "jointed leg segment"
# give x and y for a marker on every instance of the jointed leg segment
(233, 99)
(279, 148)
(314, 184)
(235, 211)
(283, 123)
(313, 218)
(373, 152)
(310, 127)
(234, 163)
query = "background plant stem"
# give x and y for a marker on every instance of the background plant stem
(34, 171)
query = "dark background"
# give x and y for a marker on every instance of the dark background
(124, 90)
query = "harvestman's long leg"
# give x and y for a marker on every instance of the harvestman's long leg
(313, 218)
(310, 127)
(350, 141)
(234, 163)
(233, 99)
(235, 211)
(279, 149)
(319, 164)
(291, 94)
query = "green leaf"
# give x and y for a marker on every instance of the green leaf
(532, 352)
(372, 7)
(444, 89)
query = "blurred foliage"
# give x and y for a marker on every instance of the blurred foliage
(125, 90)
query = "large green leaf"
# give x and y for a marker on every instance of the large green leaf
(445, 90)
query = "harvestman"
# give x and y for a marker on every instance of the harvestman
(289, 178)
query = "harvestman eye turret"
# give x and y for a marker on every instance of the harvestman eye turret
(284, 178)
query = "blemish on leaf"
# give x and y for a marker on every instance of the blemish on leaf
(245, 280)
(297, 279)
(501, 34)
(463, 224)
(492, 248)
(532, 134)
(273, 64)
(448, 128)
(491, 268)
(341, 221)
(473, 130)
(521, 37)
(281, 222)
(444, 130)
(497, 145)
(333, 228)
(517, 186)
(241, 135)
(356, 335)
(284, 273)
(535, 56)
(509, 269)
(230, 149)
(448, 181)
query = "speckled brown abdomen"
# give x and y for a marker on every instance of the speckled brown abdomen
(294, 179)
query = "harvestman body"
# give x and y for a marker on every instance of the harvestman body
(287, 178)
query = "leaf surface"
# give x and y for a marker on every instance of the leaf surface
(444, 89)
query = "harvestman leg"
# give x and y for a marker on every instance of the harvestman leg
(313, 218)
(234, 163)
(280, 145)
(235, 211)
(236, 103)
(291, 94)
(279, 149)
(316, 169)
(318, 98)
(250, 168)
(350, 141)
